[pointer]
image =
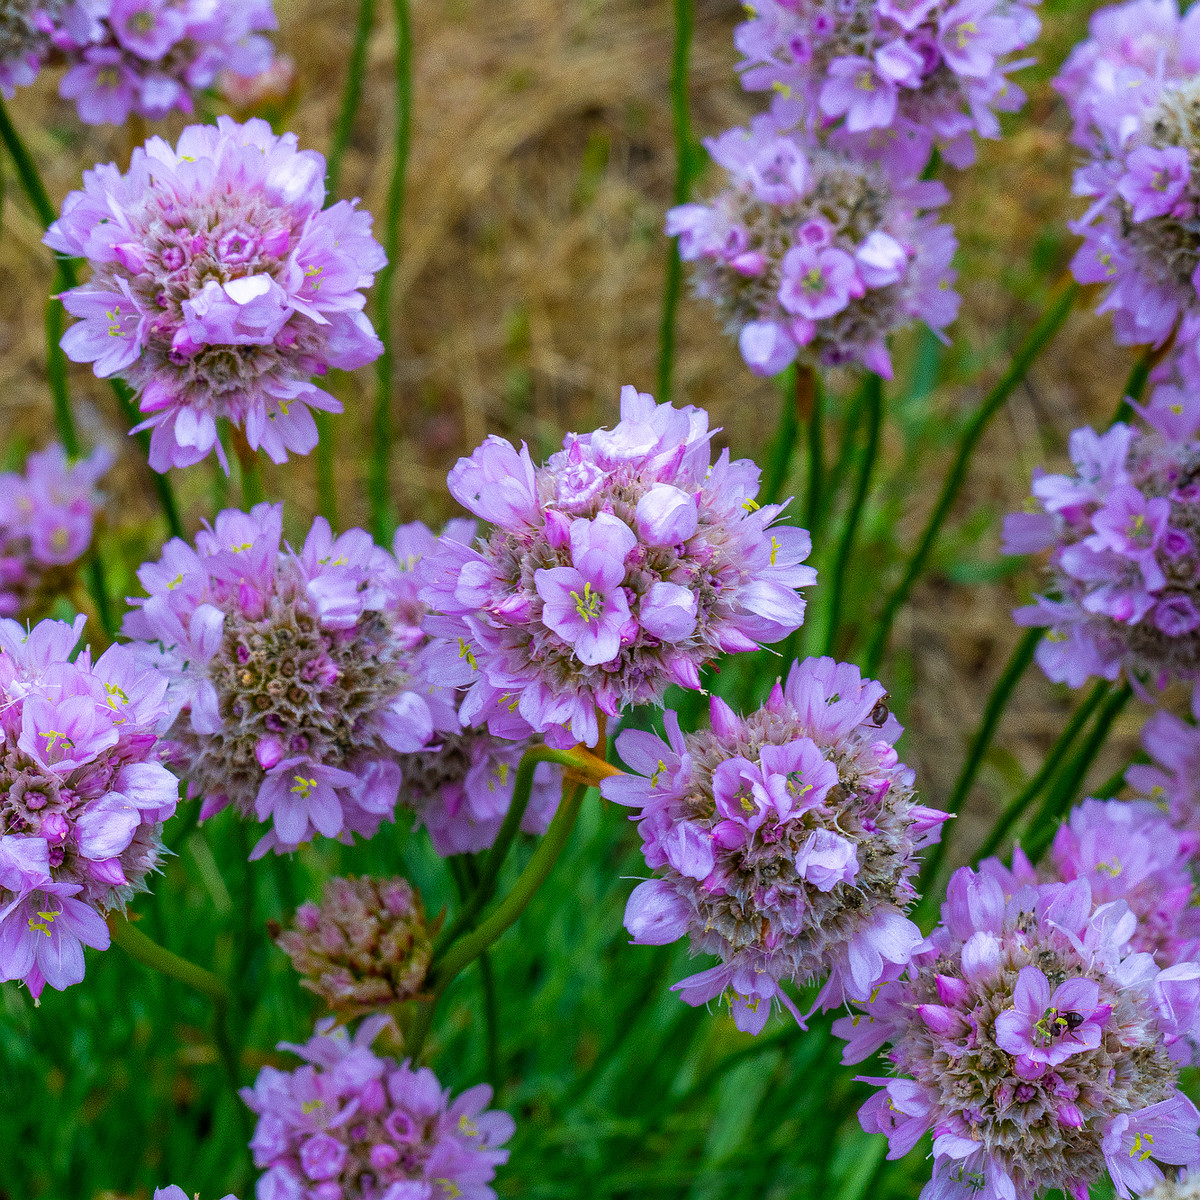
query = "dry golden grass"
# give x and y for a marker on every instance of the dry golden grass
(529, 288)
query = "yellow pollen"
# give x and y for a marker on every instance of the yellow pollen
(502, 773)
(468, 1126)
(590, 605)
(662, 766)
(775, 548)
(465, 651)
(303, 786)
(1177, 409)
(813, 281)
(52, 736)
(751, 505)
(47, 919)
(865, 81)
(782, 88)
(59, 538)
(311, 1106)
(109, 77)
(114, 321)
(238, 547)
(175, 582)
(963, 33)
(451, 1188)
(1140, 1139)
(114, 694)
(1111, 869)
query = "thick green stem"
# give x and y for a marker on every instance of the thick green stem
(684, 19)
(489, 873)
(473, 944)
(150, 954)
(1067, 786)
(1139, 377)
(252, 480)
(162, 485)
(379, 480)
(779, 461)
(1017, 665)
(27, 172)
(1058, 752)
(1039, 337)
(815, 485)
(491, 1021)
(845, 549)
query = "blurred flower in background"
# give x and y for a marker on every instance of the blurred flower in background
(47, 519)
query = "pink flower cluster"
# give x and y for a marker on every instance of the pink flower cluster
(83, 796)
(1172, 777)
(1124, 536)
(1134, 92)
(220, 286)
(352, 1125)
(809, 252)
(895, 77)
(784, 842)
(624, 564)
(461, 786)
(1036, 1045)
(47, 517)
(1130, 851)
(295, 683)
(133, 56)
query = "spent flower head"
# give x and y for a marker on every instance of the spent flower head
(353, 1125)
(1123, 531)
(220, 286)
(83, 796)
(784, 842)
(894, 78)
(810, 253)
(1037, 1046)
(295, 685)
(47, 518)
(366, 946)
(624, 564)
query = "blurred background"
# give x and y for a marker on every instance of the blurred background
(528, 291)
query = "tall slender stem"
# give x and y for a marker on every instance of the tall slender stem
(815, 485)
(845, 549)
(1037, 340)
(35, 193)
(1058, 752)
(150, 954)
(780, 459)
(379, 481)
(1066, 787)
(1017, 665)
(684, 171)
(248, 461)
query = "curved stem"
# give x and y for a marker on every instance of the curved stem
(681, 118)
(351, 95)
(780, 460)
(845, 549)
(27, 172)
(1017, 665)
(1066, 787)
(1037, 340)
(1033, 788)
(536, 872)
(490, 870)
(150, 954)
(379, 478)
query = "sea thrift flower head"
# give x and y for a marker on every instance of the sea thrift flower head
(172, 1192)
(893, 78)
(295, 690)
(136, 57)
(366, 946)
(810, 254)
(624, 564)
(1039, 1048)
(1123, 533)
(353, 1124)
(784, 842)
(83, 796)
(1129, 850)
(47, 517)
(220, 287)
(1134, 93)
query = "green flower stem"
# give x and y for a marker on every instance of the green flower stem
(489, 873)
(779, 461)
(845, 549)
(67, 278)
(1039, 337)
(150, 954)
(1022, 656)
(684, 173)
(379, 477)
(342, 130)
(1033, 789)
(1067, 786)
(1139, 376)
(811, 403)
(252, 482)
